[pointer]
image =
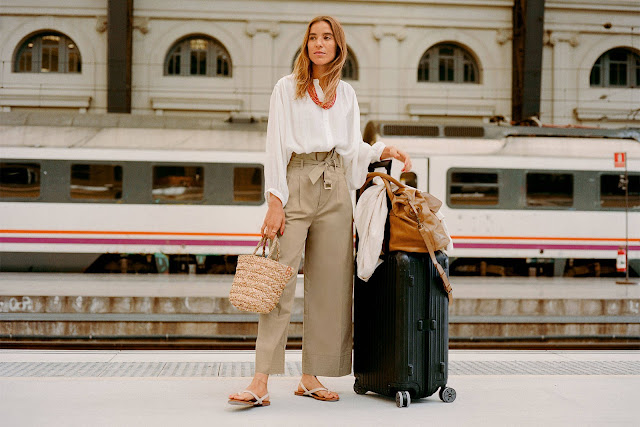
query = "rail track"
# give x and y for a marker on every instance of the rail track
(244, 342)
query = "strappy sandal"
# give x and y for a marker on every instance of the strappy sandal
(256, 401)
(313, 393)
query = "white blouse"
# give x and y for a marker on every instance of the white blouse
(300, 126)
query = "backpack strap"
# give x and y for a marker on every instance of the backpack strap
(443, 275)
(428, 240)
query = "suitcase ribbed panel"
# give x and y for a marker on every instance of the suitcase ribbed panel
(438, 346)
(395, 347)
(409, 280)
(373, 337)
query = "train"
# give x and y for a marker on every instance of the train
(160, 195)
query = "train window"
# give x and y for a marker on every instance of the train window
(178, 183)
(247, 184)
(92, 181)
(19, 180)
(612, 192)
(549, 189)
(473, 188)
(410, 179)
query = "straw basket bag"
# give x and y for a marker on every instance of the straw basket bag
(260, 280)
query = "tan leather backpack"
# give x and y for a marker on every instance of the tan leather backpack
(414, 225)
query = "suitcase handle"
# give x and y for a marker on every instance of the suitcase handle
(386, 164)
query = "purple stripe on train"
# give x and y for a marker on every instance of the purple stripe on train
(253, 243)
(540, 246)
(78, 241)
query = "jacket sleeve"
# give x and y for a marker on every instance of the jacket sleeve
(275, 168)
(361, 154)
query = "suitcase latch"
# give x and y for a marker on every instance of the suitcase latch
(433, 325)
(420, 325)
(443, 367)
(411, 281)
(410, 370)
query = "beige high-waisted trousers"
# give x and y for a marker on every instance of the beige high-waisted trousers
(318, 219)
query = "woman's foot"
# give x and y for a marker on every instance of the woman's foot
(310, 382)
(258, 386)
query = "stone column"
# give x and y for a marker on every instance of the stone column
(565, 85)
(262, 65)
(389, 105)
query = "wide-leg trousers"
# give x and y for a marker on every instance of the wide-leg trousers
(318, 220)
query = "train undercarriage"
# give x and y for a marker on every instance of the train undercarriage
(225, 264)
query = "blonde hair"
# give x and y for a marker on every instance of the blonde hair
(302, 70)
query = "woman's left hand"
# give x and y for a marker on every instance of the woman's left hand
(396, 153)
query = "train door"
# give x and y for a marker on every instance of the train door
(418, 176)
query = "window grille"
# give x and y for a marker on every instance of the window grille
(198, 56)
(48, 52)
(617, 67)
(446, 62)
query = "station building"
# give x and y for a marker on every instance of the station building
(439, 60)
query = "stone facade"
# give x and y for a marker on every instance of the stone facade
(388, 38)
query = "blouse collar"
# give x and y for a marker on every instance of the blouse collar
(319, 92)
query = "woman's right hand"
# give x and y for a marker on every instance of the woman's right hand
(274, 220)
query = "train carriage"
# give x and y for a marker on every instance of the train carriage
(523, 200)
(129, 199)
(157, 194)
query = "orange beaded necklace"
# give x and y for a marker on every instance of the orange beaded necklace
(311, 89)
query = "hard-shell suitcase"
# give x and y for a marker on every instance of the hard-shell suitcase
(401, 336)
(401, 327)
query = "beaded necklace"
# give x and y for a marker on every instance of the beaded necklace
(311, 89)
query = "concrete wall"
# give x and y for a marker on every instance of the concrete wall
(387, 37)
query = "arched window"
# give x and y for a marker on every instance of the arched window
(198, 55)
(48, 52)
(446, 62)
(350, 69)
(617, 67)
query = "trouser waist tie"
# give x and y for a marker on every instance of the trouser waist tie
(325, 168)
(322, 169)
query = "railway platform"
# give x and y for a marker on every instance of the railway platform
(194, 310)
(168, 388)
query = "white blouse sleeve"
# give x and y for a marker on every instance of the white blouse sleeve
(275, 168)
(360, 154)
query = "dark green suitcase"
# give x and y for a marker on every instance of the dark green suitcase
(401, 337)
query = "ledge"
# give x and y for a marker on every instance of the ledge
(195, 104)
(466, 110)
(609, 114)
(60, 101)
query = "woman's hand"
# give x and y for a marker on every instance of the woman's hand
(274, 220)
(396, 153)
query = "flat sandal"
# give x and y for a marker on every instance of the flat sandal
(256, 401)
(313, 393)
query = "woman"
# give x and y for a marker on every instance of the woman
(315, 156)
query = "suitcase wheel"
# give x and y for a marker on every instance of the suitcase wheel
(403, 399)
(447, 394)
(358, 388)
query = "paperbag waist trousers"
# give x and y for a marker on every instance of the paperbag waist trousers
(319, 220)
